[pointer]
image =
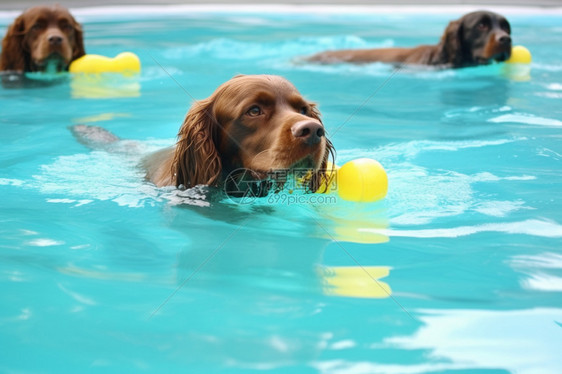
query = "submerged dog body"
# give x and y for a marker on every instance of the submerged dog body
(43, 38)
(477, 38)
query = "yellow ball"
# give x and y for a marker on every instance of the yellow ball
(519, 55)
(362, 180)
(124, 63)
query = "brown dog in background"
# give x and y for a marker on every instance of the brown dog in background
(477, 38)
(43, 38)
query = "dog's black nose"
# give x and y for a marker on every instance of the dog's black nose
(311, 132)
(504, 39)
(55, 40)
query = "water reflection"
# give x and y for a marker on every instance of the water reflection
(264, 247)
(522, 341)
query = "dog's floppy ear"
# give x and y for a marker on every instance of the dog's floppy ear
(196, 159)
(78, 50)
(322, 178)
(13, 51)
(450, 46)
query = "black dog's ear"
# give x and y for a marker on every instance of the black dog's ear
(450, 47)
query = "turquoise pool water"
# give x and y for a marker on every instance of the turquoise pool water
(102, 272)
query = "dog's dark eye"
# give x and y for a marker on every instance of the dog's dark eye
(482, 26)
(303, 110)
(37, 26)
(254, 111)
(66, 26)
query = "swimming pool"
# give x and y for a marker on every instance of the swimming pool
(102, 272)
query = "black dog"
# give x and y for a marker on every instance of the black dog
(477, 38)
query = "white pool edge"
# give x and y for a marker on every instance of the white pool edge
(127, 11)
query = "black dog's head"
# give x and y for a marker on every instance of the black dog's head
(477, 38)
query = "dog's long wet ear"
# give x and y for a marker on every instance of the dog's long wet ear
(13, 50)
(78, 49)
(94, 137)
(322, 178)
(450, 45)
(196, 159)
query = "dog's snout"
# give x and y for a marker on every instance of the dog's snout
(55, 40)
(504, 39)
(310, 132)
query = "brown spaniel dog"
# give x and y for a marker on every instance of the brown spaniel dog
(42, 39)
(259, 123)
(255, 123)
(477, 38)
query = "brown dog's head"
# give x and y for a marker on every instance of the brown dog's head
(259, 123)
(477, 38)
(42, 39)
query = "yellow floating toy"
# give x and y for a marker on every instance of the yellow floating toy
(126, 63)
(519, 55)
(362, 180)
(518, 66)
